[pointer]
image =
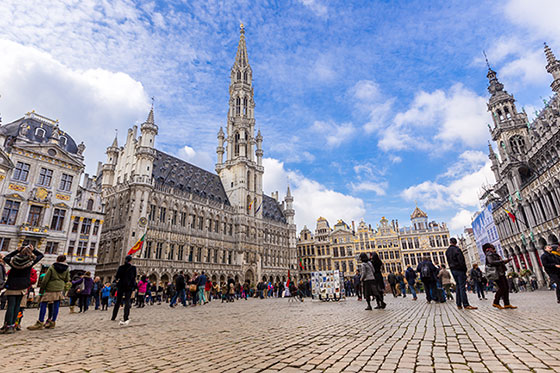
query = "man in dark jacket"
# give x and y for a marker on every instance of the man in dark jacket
(477, 278)
(392, 280)
(126, 283)
(551, 262)
(180, 292)
(458, 267)
(410, 275)
(428, 273)
(358, 285)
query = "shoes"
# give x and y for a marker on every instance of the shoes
(484, 298)
(414, 298)
(377, 307)
(10, 330)
(497, 306)
(460, 307)
(509, 306)
(124, 323)
(428, 301)
(50, 324)
(471, 308)
(37, 326)
(368, 308)
(383, 305)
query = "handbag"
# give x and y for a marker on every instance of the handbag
(80, 287)
(192, 288)
(492, 273)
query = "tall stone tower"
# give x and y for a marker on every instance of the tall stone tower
(241, 172)
(553, 68)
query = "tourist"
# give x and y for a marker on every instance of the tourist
(410, 275)
(179, 291)
(105, 295)
(96, 292)
(201, 283)
(496, 271)
(551, 262)
(402, 287)
(477, 278)
(378, 274)
(142, 289)
(207, 288)
(428, 274)
(357, 285)
(458, 267)
(367, 277)
(51, 288)
(126, 283)
(85, 286)
(392, 280)
(21, 262)
(445, 278)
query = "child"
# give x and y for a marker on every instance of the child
(105, 293)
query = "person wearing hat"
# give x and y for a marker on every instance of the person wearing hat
(21, 262)
(126, 283)
(550, 260)
(493, 259)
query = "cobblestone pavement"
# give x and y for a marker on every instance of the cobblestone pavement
(277, 335)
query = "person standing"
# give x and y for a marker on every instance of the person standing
(495, 262)
(392, 280)
(105, 294)
(86, 286)
(410, 275)
(367, 277)
(207, 289)
(179, 291)
(357, 285)
(551, 262)
(428, 273)
(96, 291)
(3, 275)
(378, 274)
(126, 283)
(445, 278)
(142, 289)
(477, 278)
(52, 286)
(21, 262)
(201, 283)
(458, 267)
(400, 281)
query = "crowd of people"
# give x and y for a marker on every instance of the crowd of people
(55, 285)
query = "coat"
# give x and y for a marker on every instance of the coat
(455, 259)
(126, 277)
(142, 286)
(444, 276)
(432, 269)
(88, 285)
(495, 260)
(20, 278)
(55, 279)
(549, 262)
(410, 275)
(367, 272)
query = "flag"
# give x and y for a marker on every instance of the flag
(251, 204)
(511, 215)
(301, 264)
(258, 208)
(137, 246)
(288, 282)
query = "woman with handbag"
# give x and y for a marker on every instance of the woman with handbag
(496, 271)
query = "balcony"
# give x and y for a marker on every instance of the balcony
(33, 231)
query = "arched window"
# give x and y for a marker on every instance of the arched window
(237, 106)
(517, 144)
(245, 106)
(245, 137)
(500, 115)
(39, 132)
(63, 140)
(249, 180)
(245, 76)
(239, 75)
(90, 204)
(507, 113)
(236, 143)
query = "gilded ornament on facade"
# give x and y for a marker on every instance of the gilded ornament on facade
(63, 197)
(41, 194)
(142, 222)
(18, 188)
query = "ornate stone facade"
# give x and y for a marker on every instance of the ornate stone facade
(527, 172)
(196, 220)
(43, 203)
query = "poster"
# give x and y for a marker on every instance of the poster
(327, 285)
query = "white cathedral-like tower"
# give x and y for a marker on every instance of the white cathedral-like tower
(242, 170)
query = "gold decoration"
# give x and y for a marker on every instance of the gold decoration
(41, 194)
(18, 188)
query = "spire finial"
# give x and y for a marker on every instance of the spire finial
(486, 59)
(241, 28)
(115, 143)
(550, 58)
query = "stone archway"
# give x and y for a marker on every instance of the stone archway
(552, 239)
(249, 276)
(153, 278)
(165, 278)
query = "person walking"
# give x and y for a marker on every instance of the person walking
(142, 289)
(21, 261)
(392, 280)
(207, 289)
(357, 285)
(551, 262)
(458, 267)
(402, 287)
(96, 291)
(496, 271)
(477, 278)
(367, 277)
(3, 275)
(126, 283)
(85, 288)
(201, 283)
(105, 294)
(445, 278)
(378, 274)
(428, 273)
(179, 291)
(410, 275)
(52, 286)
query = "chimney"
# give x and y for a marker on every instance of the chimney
(353, 226)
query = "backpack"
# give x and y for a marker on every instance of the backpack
(425, 271)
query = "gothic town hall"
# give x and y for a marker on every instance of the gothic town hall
(196, 220)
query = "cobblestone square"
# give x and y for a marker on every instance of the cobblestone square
(277, 335)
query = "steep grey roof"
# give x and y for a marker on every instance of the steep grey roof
(31, 125)
(272, 210)
(174, 172)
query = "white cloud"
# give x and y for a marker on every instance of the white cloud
(90, 104)
(368, 186)
(462, 219)
(528, 68)
(438, 121)
(368, 99)
(311, 199)
(469, 161)
(316, 6)
(335, 134)
(538, 16)
(198, 158)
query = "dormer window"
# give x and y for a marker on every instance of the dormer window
(63, 140)
(39, 132)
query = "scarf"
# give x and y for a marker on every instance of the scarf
(22, 261)
(557, 253)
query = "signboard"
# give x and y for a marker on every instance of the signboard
(327, 285)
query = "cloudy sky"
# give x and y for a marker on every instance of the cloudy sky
(365, 106)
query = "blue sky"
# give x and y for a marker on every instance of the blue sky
(366, 106)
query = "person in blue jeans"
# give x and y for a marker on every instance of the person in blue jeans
(410, 275)
(458, 267)
(201, 283)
